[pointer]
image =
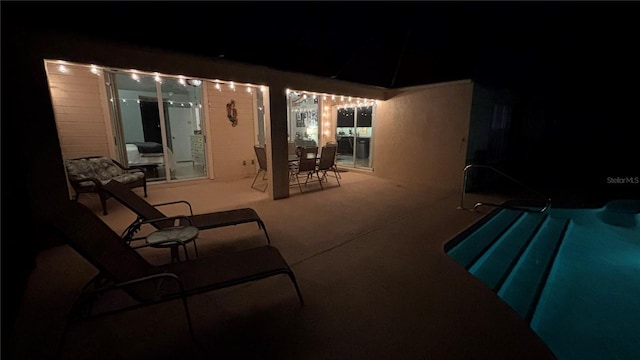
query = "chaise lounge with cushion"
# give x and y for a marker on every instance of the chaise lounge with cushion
(89, 174)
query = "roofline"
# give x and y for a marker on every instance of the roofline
(79, 49)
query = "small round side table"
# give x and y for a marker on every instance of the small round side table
(173, 238)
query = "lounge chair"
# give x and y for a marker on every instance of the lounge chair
(149, 213)
(122, 268)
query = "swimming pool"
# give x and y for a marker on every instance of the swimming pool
(572, 273)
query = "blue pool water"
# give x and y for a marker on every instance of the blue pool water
(572, 274)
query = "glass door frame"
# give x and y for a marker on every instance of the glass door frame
(165, 159)
(355, 132)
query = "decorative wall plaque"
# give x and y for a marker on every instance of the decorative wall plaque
(232, 113)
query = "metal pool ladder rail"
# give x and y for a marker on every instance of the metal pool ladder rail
(478, 204)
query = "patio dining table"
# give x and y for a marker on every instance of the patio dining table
(294, 157)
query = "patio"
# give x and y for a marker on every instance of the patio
(369, 259)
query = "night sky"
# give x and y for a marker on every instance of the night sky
(390, 44)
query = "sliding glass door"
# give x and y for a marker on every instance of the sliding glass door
(158, 125)
(354, 134)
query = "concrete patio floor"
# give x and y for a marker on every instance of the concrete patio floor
(368, 257)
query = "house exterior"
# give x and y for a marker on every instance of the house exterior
(418, 135)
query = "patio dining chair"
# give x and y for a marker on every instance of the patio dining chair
(327, 162)
(122, 269)
(261, 155)
(149, 213)
(334, 167)
(306, 167)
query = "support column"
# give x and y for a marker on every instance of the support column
(277, 147)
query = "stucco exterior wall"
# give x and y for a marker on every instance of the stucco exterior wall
(81, 114)
(421, 135)
(229, 146)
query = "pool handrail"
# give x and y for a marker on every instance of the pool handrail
(547, 199)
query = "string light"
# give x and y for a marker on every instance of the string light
(350, 102)
(160, 77)
(171, 102)
(95, 69)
